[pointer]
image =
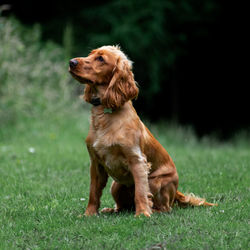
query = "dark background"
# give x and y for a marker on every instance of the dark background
(188, 55)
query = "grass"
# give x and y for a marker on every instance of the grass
(44, 185)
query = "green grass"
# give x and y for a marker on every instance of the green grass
(43, 193)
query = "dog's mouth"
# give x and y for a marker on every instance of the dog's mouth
(79, 78)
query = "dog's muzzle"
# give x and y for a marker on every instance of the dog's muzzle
(73, 63)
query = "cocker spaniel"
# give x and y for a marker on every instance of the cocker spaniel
(119, 144)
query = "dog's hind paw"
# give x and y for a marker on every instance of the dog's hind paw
(108, 210)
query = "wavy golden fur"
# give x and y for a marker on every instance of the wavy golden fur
(119, 144)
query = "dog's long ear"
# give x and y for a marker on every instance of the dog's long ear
(122, 86)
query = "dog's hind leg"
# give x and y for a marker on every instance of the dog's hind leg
(164, 190)
(123, 196)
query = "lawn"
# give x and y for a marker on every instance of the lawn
(44, 185)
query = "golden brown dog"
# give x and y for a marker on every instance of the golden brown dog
(119, 144)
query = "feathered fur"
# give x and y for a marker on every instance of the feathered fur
(120, 145)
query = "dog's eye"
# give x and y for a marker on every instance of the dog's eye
(100, 58)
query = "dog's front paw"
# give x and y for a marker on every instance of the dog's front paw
(87, 214)
(145, 212)
(90, 212)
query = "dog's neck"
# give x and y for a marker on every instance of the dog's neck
(97, 93)
(95, 101)
(101, 120)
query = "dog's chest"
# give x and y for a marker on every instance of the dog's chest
(114, 162)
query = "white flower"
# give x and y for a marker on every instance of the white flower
(32, 150)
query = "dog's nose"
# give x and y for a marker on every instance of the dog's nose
(73, 63)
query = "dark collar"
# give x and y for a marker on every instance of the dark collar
(96, 101)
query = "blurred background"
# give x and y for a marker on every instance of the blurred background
(187, 58)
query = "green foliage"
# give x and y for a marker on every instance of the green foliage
(153, 33)
(68, 41)
(33, 76)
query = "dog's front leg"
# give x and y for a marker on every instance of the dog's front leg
(139, 172)
(97, 183)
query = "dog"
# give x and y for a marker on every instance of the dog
(120, 145)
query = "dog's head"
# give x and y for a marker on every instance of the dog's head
(109, 70)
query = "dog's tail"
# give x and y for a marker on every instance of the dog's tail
(191, 200)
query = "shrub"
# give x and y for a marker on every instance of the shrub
(34, 80)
